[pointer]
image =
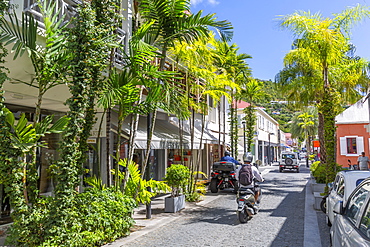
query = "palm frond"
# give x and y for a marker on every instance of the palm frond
(23, 34)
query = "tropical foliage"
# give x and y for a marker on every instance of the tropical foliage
(251, 93)
(322, 70)
(177, 177)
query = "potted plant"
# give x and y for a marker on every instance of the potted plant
(177, 177)
(318, 172)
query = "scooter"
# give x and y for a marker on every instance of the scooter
(247, 206)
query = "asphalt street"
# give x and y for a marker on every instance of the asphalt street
(286, 218)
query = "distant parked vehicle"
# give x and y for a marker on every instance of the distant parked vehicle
(289, 160)
(351, 226)
(345, 182)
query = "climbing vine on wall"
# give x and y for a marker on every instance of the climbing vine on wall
(250, 122)
(328, 107)
(233, 121)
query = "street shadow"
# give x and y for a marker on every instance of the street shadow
(302, 169)
(218, 215)
(292, 210)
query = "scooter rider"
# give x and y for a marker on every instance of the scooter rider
(228, 158)
(248, 158)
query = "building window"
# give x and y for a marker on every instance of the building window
(351, 146)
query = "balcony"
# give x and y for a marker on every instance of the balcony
(67, 10)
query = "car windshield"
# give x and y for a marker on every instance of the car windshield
(286, 156)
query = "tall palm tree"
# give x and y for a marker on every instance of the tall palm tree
(48, 61)
(199, 59)
(306, 124)
(233, 65)
(251, 93)
(163, 33)
(321, 47)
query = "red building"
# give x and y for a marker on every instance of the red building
(353, 133)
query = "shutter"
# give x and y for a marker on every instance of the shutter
(343, 146)
(360, 144)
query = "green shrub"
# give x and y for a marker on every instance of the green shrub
(196, 196)
(97, 217)
(319, 171)
(177, 177)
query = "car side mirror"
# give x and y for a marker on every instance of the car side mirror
(338, 208)
(330, 185)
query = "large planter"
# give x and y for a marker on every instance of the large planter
(318, 187)
(174, 204)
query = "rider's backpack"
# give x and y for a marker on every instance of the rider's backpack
(245, 175)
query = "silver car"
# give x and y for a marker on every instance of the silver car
(345, 182)
(351, 226)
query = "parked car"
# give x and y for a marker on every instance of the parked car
(345, 182)
(351, 226)
(289, 160)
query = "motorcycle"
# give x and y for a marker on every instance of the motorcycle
(247, 206)
(223, 176)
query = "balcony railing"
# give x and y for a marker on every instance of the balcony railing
(67, 9)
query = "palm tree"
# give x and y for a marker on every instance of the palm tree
(321, 47)
(199, 59)
(163, 32)
(235, 68)
(306, 126)
(48, 61)
(251, 92)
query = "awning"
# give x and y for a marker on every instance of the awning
(165, 135)
(207, 137)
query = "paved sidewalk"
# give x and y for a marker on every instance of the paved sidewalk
(159, 217)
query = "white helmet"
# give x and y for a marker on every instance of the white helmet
(248, 157)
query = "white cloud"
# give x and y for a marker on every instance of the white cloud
(195, 2)
(212, 2)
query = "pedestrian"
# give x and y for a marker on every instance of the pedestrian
(363, 162)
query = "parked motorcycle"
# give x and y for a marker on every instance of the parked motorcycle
(223, 176)
(246, 204)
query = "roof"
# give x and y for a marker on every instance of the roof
(241, 104)
(351, 178)
(357, 113)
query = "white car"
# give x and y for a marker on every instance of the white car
(289, 160)
(345, 182)
(351, 226)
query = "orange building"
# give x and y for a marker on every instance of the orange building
(353, 133)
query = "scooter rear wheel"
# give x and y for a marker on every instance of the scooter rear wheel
(243, 216)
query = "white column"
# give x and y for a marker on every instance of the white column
(263, 153)
(256, 150)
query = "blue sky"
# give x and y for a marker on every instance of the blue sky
(257, 33)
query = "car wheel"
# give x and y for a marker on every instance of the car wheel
(297, 171)
(281, 170)
(323, 204)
